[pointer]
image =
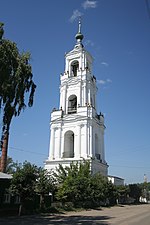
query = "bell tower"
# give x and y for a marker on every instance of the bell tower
(77, 131)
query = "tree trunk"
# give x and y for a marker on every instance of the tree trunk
(4, 152)
(42, 203)
(20, 210)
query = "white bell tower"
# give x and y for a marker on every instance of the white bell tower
(77, 131)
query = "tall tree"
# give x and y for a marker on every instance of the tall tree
(15, 82)
(123, 193)
(45, 185)
(135, 192)
(73, 183)
(78, 185)
(23, 183)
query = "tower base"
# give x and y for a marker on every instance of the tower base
(96, 165)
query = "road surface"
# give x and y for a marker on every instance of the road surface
(118, 215)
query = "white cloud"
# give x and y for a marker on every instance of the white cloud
(104, 64)
(86, 4)
(89, 4)
(109, 81)
(76, 14)
(89, 42)
(103, 82)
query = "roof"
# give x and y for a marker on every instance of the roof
(115, 177)
(5, 176)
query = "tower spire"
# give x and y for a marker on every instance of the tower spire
(79, 36)
(79, 30)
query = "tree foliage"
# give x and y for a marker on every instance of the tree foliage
(74, 184)
(44, 185)
(78, 185)
(72, 181)
(11, 166)
(23, 182)
(122, 193)
(145, 189)
(135, 191)
(15, 80)
(29, 181)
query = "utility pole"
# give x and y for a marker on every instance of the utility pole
(4, 153)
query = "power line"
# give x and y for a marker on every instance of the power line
(120, 166)
(132, 149)
(131, 167)
(22, 150)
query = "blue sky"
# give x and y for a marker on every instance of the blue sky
(117, 34)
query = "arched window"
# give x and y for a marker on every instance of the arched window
(68, 145)
(74, 68)
(97, 152)
(72, 104)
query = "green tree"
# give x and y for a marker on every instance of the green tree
(110, 193)
(122, 193)
(15, 82)
(60, 174)
(97, 184)
(78, 185)
(45, 185)
(102, 191)
(135, 191)
(11, 166)
(23, 183)
(145, 187)
(73, 183)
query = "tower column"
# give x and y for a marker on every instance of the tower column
(103, 152)
(84, 101)
(88, 95)
(65, 109)
(86, 139)
(52, 144)
(62, 145)
(90, 140)
(81, 104)
(78, 149)
(59, 142)
(93, 150)
(84, 142)
(61, 99)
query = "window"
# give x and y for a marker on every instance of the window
(68, 145)
(17, 199)
(72, 104)
(97, 149)
(74, 68)
(6, 198)
(98, 156)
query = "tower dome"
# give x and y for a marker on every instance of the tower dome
(79, 36)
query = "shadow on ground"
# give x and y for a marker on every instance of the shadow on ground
(56, 220)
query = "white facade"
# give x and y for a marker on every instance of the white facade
(77, 131)
(117, 181)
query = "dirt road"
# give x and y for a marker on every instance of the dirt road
(119, 215)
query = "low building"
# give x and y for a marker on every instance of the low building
(5, 197)
(116, 180)
(5, 176)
